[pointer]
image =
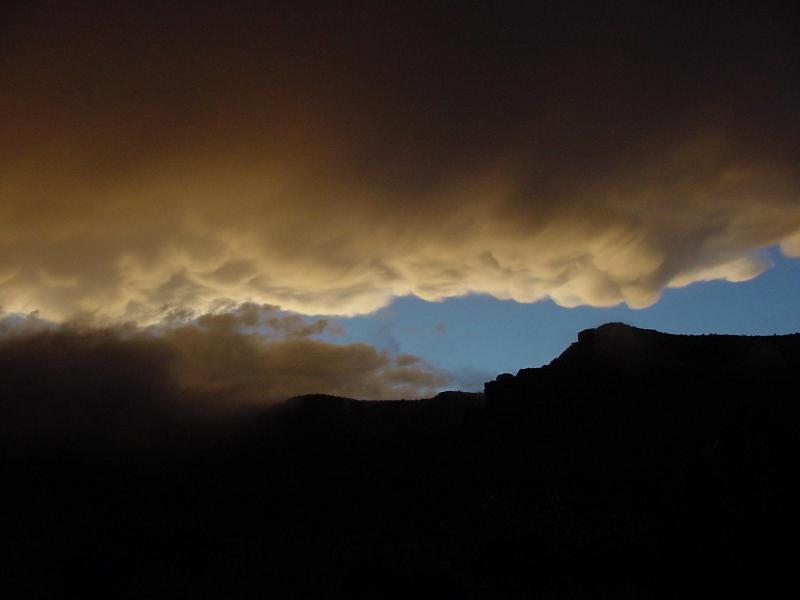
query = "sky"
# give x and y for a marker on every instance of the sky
(388, 199)
(508, 336)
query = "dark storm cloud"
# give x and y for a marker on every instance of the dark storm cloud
(327, 158)
(130, 384)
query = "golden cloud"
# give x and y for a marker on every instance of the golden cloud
(159, 161)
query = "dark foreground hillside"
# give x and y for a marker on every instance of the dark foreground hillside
(637, 464)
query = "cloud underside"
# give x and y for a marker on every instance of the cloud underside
(327, 164)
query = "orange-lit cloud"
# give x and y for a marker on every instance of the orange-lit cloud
(156, 161)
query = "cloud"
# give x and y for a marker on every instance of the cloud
(326, 161)
(131, 383)
(257, 354)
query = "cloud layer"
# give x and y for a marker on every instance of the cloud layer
(154, 160)
(134, 384)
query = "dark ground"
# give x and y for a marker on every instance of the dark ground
(635, 465)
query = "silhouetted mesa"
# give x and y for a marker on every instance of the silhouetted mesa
(642, 360)
(636, 464)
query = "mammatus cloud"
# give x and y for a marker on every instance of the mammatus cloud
(128, 381)
(154, 161)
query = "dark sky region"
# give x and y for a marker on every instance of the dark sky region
(386, 199)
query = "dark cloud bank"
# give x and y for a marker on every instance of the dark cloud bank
(124, 383)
